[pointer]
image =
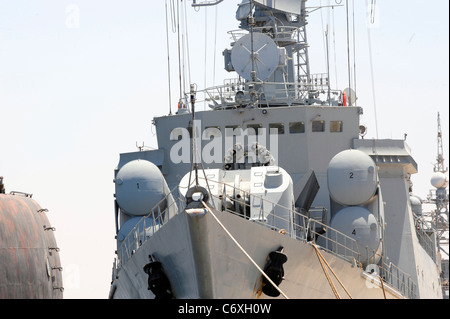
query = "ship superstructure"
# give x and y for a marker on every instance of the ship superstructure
(273, 192)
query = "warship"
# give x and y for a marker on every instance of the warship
(30, 265)
(274, 191)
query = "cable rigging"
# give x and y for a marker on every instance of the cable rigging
(348, 51)
(179, 52)
(168, 60)
(354, 47)
(372, 20)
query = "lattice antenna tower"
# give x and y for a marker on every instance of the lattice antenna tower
(439, 166)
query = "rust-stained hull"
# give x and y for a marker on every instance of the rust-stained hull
(30, 265)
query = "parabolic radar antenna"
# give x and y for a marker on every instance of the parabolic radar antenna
(263, 58)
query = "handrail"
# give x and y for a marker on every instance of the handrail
(304, 227)
(279, 91)
(280, 32)
(398, 279)
(424, 240)
(138, 235)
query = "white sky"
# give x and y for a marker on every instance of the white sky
(77, 92)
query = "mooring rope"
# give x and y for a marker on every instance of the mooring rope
(323, 261)
(243, 250)
(327, 275)
(382, 286)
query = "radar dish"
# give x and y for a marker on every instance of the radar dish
(265, 55)
(351, 96)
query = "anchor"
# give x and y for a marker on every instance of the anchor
(274, 270)
(158, 282)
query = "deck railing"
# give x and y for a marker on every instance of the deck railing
(147, 226)
(226, 95)
(398, 279)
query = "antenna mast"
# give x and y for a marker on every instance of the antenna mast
(440, 197)
(439, 166)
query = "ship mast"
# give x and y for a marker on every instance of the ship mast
(439, 166)
(440, 198)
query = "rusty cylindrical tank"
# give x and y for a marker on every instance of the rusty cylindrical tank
(30, 265)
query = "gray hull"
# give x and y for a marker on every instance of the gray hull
(202, 261)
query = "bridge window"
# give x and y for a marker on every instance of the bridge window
(335, 126)
(278, 128)
(230, 130)
(257, 128)
(296, 127)
(318, 126)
